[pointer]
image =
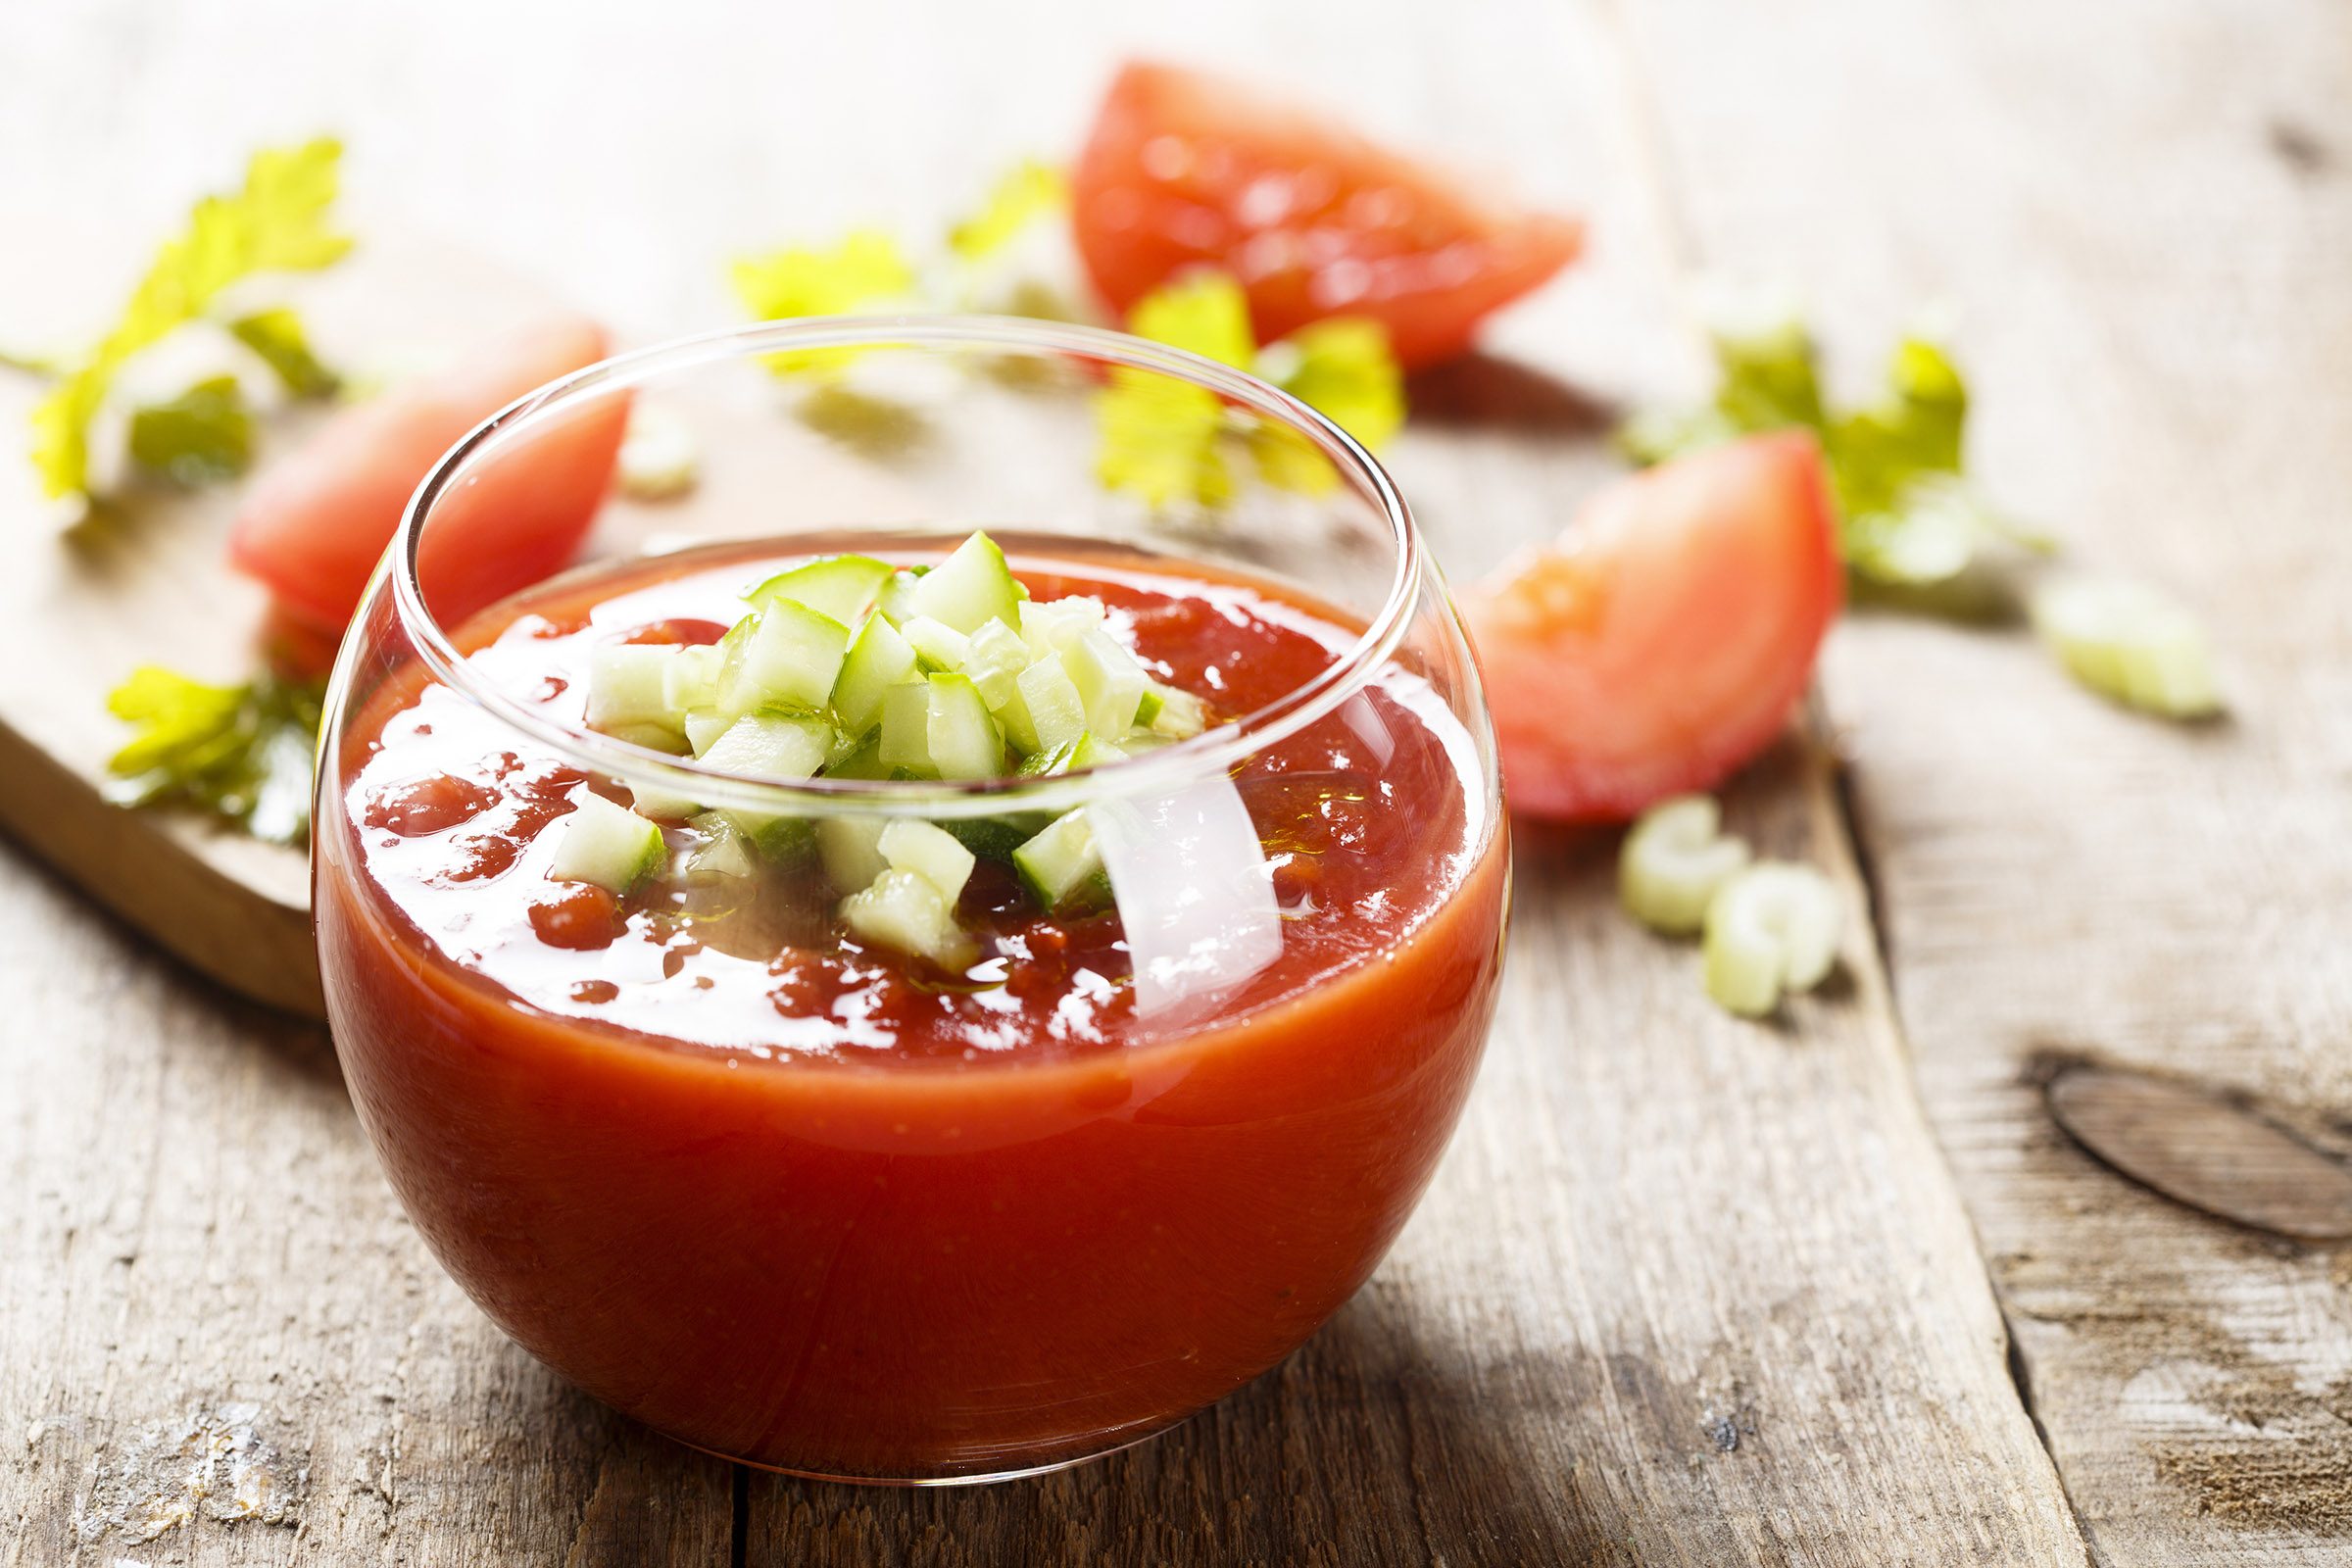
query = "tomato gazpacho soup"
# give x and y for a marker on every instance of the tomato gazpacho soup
(979, 1064)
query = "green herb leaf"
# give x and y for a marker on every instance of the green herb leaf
(1907, 515)
(279, 221)
(865, 269)
(243, 754)
(1342, 368)
(1161, 439)
(1026, 193)
(1203, 311)
(277, 336)
(204, 434)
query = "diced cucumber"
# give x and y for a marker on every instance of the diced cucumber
(704, 725)
(937, 644)
(907, 727)
(785, 746)
(971, 587)
(995, 837)
(838, 587)
(1087, 751)
(661, 804)
(1175, 713)
(626, 685)
(865, 763)
(995, 661)
(878, 659)
(1062, 866)
(903, 910)
(1045, 709)
(1050, 625)
(1109, 682)
(690, 680)
(779, 837)
(930, 853)
(964, 739)
(791, 655)
(897, 599)
(607, 844)
(724, 852)
(850, 848)
(653, 737)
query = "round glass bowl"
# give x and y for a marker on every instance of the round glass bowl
(784, 1192)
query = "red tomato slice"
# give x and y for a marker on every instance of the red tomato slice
(1184, 169)
(315, 523)
(1664, 640)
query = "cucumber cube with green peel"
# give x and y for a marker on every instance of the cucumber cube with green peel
(1045, 709)
(907, 727)
(725, 852)
(962, 735)
(969, 588)
(995, 660)
(704, 725)
(903, 911)
(1168, 711)
(1062, 866)
(840, 588)
(937, 644)
(850, 848)
(930, 853)
(879, 658)
(793, 656)
(627, 685)
(690, 680)
(607, 844)
(783, 745)
(1109, 682)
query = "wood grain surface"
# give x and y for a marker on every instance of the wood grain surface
(2142, 214)
(1687, 1291)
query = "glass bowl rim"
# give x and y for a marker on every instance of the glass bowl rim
(1165, 769)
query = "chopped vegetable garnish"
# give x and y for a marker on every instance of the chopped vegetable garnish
(605, 844)
(1675, 861)
(2131, 643)
(951, 672)
(1772, 928)
(241, 752)
(866, 268)
(277, 336)
(279, 221)
(1026, 193)
(1907, 516)
(659, 458)
(205, 433)
(903, 910)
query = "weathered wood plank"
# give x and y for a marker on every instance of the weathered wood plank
(1689, 1291)
(2143, 213)
(197, 1238)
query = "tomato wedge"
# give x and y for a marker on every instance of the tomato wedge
(1185, 168)
(1663, 641)
(315, 523)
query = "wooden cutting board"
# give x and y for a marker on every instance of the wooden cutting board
(81, 606)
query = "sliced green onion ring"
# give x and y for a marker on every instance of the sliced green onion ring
(1674, 861)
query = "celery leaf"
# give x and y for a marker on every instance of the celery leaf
(243, 754)
(278, 221)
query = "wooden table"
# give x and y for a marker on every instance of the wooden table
(1688, 1290)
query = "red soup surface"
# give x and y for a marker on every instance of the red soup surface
(788, 1198)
